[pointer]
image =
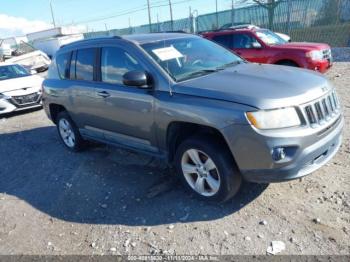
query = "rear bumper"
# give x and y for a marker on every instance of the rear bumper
(307, 154)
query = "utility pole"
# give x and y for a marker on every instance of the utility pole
(217, 15)
(149, 16)
(232, 12)
(53, 17)
(190, 19)
(130, 28)
(288, 16)
(158, 25)
(171, 16)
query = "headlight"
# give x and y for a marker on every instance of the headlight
(272, 119)
(2, 96)
(315, 55)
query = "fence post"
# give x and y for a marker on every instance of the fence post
(289, 3)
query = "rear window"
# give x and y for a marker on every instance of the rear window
(62, 61)
(84, 68)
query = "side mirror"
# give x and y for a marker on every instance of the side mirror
(256, 45)
(136, 78)
(33, 72)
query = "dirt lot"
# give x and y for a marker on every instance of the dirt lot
(108, 201)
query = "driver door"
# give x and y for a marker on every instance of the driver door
(243, 44)
(126, 113)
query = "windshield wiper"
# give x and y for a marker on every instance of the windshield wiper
(228, 65)
(199, 73)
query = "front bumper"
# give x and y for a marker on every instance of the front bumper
(307, 153)
(320, 66)
(9, 105)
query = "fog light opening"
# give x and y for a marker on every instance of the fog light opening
(278, 153)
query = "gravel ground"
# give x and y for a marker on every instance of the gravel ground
(109, 201)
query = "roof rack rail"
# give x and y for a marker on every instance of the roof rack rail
(235, 27)
(92, 39)
(174, 31)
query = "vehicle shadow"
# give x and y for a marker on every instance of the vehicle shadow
(102, 185)
(22, 112)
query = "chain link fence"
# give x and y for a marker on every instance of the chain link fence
(326, 21)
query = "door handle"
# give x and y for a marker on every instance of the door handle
(103, 94)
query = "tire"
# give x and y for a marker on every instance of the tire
(288, 63)
(218, 182)
(69, 133)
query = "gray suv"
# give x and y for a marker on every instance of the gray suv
(198, 106)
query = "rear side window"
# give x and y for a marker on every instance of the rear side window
(85, 61)
(224, 40)
(115, 62)
(62, 62)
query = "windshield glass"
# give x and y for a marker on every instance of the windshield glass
(189, 57)
(23, 48)
(270, 38)
(12, 71)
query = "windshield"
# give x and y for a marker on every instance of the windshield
(190, 57)
(270, 38)
(12, 71)
(23, 48)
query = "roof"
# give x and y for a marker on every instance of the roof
(137, 38)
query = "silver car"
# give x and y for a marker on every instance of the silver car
(19, 89)
(198, 106)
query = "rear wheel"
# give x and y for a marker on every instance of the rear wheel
(69, 133)
(207, 168)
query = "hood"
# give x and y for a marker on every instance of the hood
(304, 45)
(260, 86)
(16, 84)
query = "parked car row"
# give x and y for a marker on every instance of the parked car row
(190, 101)
(214, 116)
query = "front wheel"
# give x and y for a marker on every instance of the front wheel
(207, 168)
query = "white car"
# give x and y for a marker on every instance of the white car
(32, 59)
(19, 89)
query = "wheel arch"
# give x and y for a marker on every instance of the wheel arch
(179, 131)
(55, 109)
(287, 60)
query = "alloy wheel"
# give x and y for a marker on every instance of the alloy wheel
(66, 132)
(200, 172)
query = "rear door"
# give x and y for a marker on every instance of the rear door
(84, 101)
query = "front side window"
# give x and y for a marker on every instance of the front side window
(84, 67)
(190, 57)
(243, 41)
(115, 62)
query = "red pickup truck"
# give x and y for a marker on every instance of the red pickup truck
(264, 46)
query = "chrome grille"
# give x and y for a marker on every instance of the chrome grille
(26, 99)
(323, 110)
(327, 54)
